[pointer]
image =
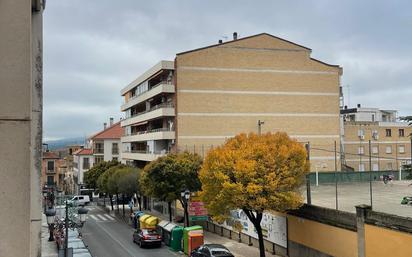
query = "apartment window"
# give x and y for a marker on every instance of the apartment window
(50, 166)
(115, 159)
(361, 167)
(401, 132)
(389, 166)
(401, 149)
(389, 149)
(98, 159)
(361, 150)
(86, 163)
(115, 148)
(50, 180)
(375, 167)
(375, 150)
(98, 148)
(388, 132)
(361, 132)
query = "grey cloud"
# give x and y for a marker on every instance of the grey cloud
(92, 49)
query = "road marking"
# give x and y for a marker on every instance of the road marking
(116, 240)
(109, 217)
(93, 217)
(101, 217)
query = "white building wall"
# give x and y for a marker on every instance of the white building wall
(108, 147)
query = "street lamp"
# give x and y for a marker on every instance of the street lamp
(185, 195)
(50, 214)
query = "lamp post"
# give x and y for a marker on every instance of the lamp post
(260, 123)
(185, 195)
(50, 214)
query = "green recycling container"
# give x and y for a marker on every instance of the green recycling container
(176, 239)
(186, 231)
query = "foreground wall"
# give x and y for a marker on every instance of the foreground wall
(20, 126)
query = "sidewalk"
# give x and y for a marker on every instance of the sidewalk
(238, 249)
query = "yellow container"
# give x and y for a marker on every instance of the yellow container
(151, 222)
(142, 220)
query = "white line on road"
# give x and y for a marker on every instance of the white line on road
(116, 240)
(93, 217)
(109, 217)
(101, 217)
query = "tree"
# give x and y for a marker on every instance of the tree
(165, 177)
(127, 182)
(256, 174)
(103, 181)
(92, 175)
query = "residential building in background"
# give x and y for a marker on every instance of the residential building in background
(83, 160)
(149, 124)
(106, 143)
(50, 179)
(207, 95)
(21, 82)
(390, 144)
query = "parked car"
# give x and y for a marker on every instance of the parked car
(147, 236)
(211, 250)
(79, 200)
(407, 200)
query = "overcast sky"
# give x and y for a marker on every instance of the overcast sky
(94, 48)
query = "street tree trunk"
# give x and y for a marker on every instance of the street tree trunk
(111, 202)
(169, 206)
(123, 204)
(256, 219)
(139, 199)
(117, 202)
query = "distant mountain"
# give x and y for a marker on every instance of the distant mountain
(62, 143)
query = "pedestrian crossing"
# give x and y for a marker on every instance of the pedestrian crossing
(102, 217)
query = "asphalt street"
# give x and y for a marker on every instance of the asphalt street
(107, 236)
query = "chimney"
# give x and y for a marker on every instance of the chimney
(234, 35)
(220, 41)
(346, 107)
(359, 105)
(111, 121)
(104, 125)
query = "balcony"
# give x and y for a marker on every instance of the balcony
(154, 134)
(51, 171)
(142, 155)
(160, 110)
(160, 88)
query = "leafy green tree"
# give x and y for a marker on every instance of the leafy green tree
(256, 174)
(103, 182)
(165, 177)
(92, 175)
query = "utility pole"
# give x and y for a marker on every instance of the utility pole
(260, 123)
(370, 171)
(336, 177)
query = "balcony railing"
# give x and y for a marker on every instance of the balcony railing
(115, 151)
(158, 106)
(148, 131)
(153, 87)
(164, 151)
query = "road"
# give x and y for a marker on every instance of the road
(106, 236)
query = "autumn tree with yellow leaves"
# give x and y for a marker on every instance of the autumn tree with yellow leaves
(255, 173)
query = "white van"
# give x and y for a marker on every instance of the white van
(79, 200)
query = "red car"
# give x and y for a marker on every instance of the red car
(147, 236)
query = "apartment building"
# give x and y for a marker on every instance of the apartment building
(379, 131)
(105, 144)
(83, 160)
(207, 95)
